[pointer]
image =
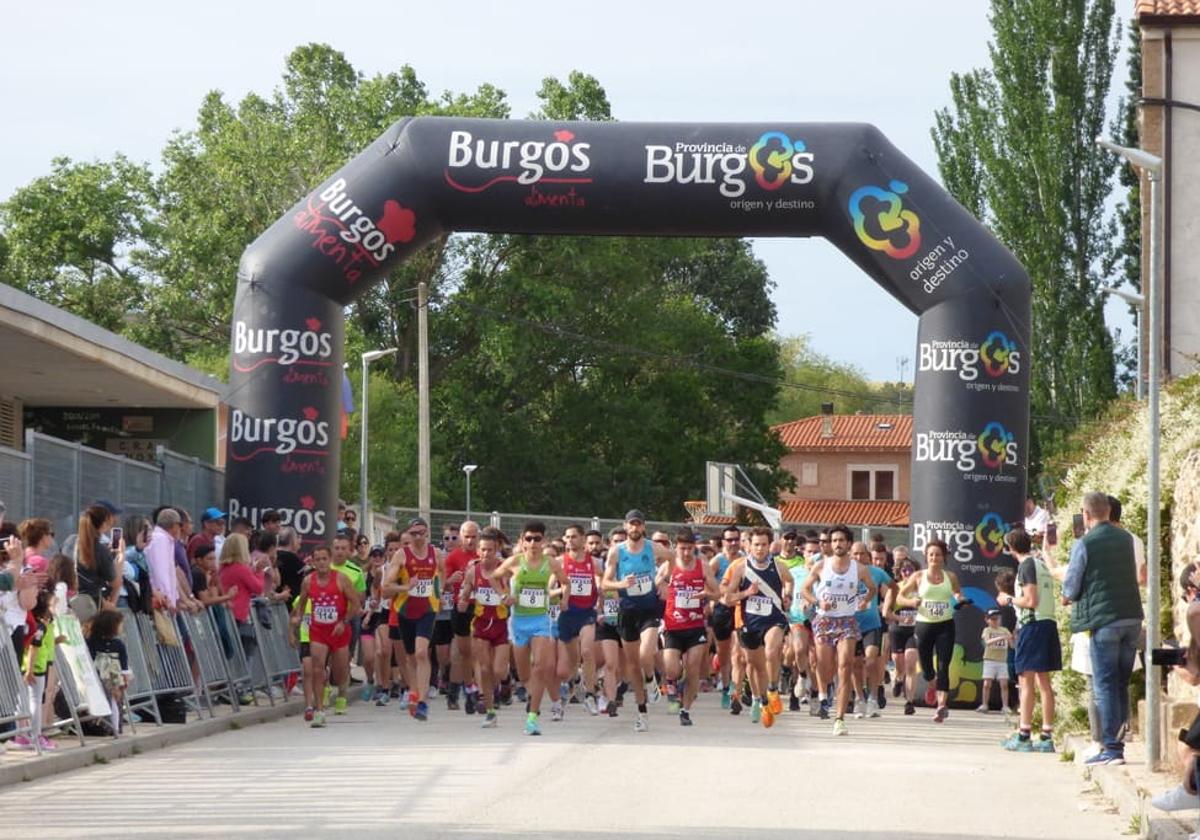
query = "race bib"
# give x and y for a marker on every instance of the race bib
(420, 588)
(610, 608)
(758, 605)
(532, 598)
(325, 614)
(306, 622)
(642, 585)
(487, 596)
(936, 609)
(687, 600)
(554, 612)
(906, 618)
(581, 586)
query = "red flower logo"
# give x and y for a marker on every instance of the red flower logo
(399, 224)
(313, 324)
(563, 136)
(308, 502)
(310, 413)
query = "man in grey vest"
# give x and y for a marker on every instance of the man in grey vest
(1101, 582)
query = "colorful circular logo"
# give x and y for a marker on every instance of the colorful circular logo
(993, 444)
(989, 535)
(996, 353)
(882, 223)
(773, 170)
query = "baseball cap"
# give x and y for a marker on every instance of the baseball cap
(415, 521)
(376, 550)
(635, 515)
(993, 613)
(789, 534)
(211, 514)
(109, 506)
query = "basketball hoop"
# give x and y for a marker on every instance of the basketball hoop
(697, 511)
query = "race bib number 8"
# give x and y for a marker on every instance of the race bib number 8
(421, 588)
(532, 598)
(325, 614)
(642, 584)
(581, 587)
(758, 605)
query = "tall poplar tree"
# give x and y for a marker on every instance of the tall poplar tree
(1016, 147)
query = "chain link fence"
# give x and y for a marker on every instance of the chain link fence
(57, 479)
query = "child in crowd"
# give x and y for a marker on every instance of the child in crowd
(39, 656)
(112, 660)
(997, 641)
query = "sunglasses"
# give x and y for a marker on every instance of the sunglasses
(450, 538)
(350, 518)
(533, 538)
(731, 539)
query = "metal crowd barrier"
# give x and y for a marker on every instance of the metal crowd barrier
(236, 663)
(168, 666)
(210, 659)
(14, 694)
(140, 693)
(279, 658)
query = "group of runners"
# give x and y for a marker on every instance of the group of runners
(584, 619)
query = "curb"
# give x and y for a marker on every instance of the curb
(1128, 794)
(149, 737)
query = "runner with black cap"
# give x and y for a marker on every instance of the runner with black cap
(631, 570)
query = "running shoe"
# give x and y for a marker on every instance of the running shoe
(768, 717)
(520, 693)
(531, 724)
(652, 692)
(413, 702)
(880, 697)
(982, 708)
(1105, 757)
(673, 706)
(556, 711)
(422, 712)
(318, 720)
(774, 703)
(1176, 799)
(684, 718)
(872, 707)
(22, 742)
(394, 691)
(368, 691)
(612, 710)
(1043, 745)
(735, 706)
(793, 703)
(490, 721)
(1015, 743)
(897, 688)
(640, 724)
(931, 695)
(601, 705)
(382, 698)
(725, 700)
(308, 714)
(328, 694)
(402, 701)
(823, 709)
(339, 706)
(858, 710)
(839, 727)
(755, 712)
(909, 708)
(451, 702)
(469, 702)
(589, 703)
(46, 744)
(941, 714)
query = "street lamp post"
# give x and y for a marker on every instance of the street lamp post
(1139, 303)
(468, 469)
(365, 512)
(1152, 165)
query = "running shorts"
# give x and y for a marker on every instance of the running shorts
(322, 634)
(460, 622)
(571, 623)
(751, 638)
(374, 621)
(606, 632)
(684, 640)
(525, 628)
(903, 638)
(632, 622)
(870, 638)
(721, 622)
(305, 650)
(494, 631)
(1038, 647)
(829, 630)
(443, 632)
(993, 670)
(407, 630)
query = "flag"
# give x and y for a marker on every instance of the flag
(347, 404)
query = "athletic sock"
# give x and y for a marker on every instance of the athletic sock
(773, 687)
(642, 708)
(1047, 733)
(763, 701)
(1024, 734)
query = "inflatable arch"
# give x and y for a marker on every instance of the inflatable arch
(846, 182)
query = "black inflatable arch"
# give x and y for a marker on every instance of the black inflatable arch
(845, 182)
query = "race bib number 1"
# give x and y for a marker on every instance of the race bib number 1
(642, 584)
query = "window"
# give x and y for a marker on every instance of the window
(808, 474)
(872, 482)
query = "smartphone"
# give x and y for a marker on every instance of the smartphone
(1052, 533)
(114, 539)
(1077, 525)
(1166, 657)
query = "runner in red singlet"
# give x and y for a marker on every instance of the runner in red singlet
(334, 599)
(415, 609)
(685, 584)
(487, 611)
(577, 622)
(461, 669)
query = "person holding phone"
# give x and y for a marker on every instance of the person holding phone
(101, 564)
(1186, 796)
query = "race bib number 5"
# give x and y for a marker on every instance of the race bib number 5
(532, 598)
(581, 586)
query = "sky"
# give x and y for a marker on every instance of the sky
(87, 80)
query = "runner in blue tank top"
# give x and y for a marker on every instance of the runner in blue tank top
(630, 570)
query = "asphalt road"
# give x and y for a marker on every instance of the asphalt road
(378, 773)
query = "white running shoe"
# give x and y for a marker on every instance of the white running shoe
(640, 724)
(602, 705)
(872, 707)
(839, 727)
(1176, 799)
(652, 692)
(589, 703)
(556, 711)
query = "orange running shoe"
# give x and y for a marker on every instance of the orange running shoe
(768, 717)
(774, 703)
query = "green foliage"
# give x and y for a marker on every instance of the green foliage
(811, 379)
(1016, 148)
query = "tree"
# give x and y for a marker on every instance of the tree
(811, 379)
(1015, 148)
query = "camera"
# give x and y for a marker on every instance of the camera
(1168, 656)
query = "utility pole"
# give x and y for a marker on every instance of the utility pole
(423, 400)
